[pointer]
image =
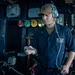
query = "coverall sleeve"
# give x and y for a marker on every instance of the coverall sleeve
(70, 41)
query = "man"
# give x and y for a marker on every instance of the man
(50, 43)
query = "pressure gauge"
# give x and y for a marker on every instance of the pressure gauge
(27, 23)
(20, 23)
(34, 23)
(40, 23)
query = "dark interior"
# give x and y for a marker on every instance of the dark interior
(13, 38)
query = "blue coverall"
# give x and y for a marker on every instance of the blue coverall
(51, 49)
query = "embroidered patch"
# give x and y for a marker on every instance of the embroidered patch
(59, 40)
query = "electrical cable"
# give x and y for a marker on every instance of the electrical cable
(6, 64)
(58, 50)
(15, 70)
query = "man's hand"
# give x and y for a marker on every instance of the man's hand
(65, 69)
(30, 50)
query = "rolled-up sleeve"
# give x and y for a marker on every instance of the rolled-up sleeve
(70, 40)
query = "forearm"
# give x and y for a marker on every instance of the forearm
(70, 58)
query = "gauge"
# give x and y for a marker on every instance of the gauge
(20, 23)
(40, 23)
(27, 23)
(34, 23)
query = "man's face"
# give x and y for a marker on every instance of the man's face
(47, 19)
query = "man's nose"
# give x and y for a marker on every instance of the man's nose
(44, 17)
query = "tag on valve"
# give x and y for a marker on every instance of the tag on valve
(30, 50)
(28, 47)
